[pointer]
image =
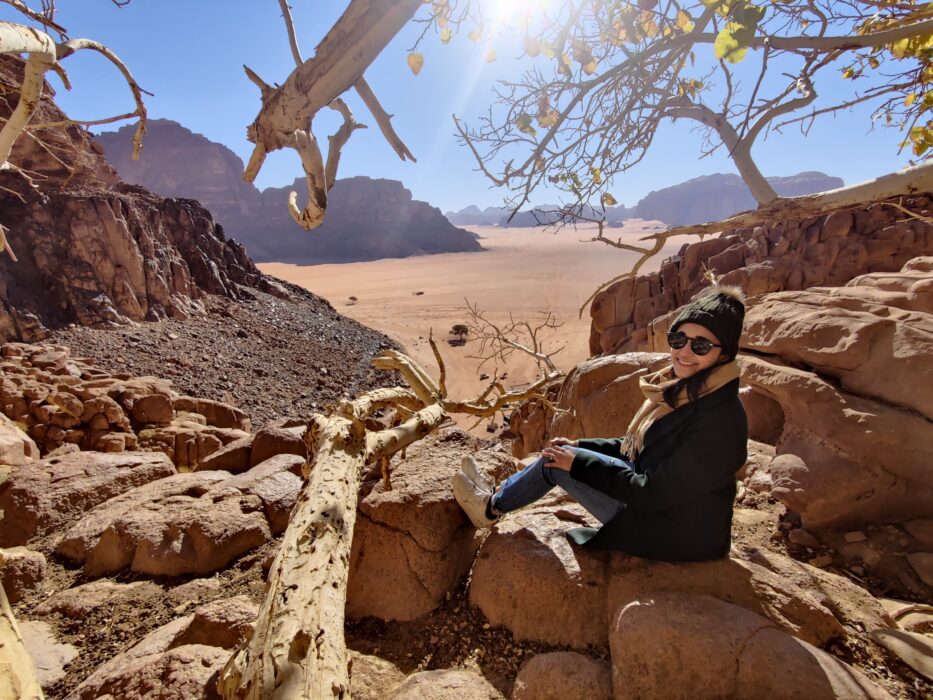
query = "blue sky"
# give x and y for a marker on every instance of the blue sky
(190, 55)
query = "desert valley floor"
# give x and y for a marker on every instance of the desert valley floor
(525, 272)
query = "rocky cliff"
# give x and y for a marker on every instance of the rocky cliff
(366, 218)
(94, 251)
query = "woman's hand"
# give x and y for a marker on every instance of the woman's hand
(560, 455)
(555, 442)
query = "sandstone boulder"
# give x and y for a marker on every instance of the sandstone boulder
(844, 460)
(848, 333)
(528, 578)
(563, 674)
(188, 440)
(232, 457)
(273, 440)
(16, 447)
(50, 494)
(277, 482)
(604, 395)
(445, 685)
(154, 408)
(677, 645)
(412, 543)
(915, 650)
(372, 678)
(21, 570)
(177, 661)
(187, 523)
(48, 656)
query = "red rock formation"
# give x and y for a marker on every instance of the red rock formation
(366, 218)
(94, 251)
(829, 250)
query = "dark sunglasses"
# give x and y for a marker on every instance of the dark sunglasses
(699, 346)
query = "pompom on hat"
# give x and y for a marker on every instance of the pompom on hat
(722, 311)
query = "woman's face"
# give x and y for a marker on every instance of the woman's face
(686, 362)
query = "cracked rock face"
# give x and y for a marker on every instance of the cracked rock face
(94, 251)
(855, 442)
(177, 661)
(681, 645)
(412, 543)
(183, 524)
(528, 578)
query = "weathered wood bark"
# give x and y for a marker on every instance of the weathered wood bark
(17, 676)
(297, 649)
(284, 121)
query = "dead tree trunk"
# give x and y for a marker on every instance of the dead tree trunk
(297, 649)
(17, 676)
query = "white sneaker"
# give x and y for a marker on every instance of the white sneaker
(473, 498)
(469, 467)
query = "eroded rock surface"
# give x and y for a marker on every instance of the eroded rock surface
(51, 494)
(187, 523)
(680, 645)
(412, 543)
(563, 674)
(529, 578)
(177, 661)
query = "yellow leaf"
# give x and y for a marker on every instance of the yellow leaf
(729, 45)
(415, 62)
(442, 21)
(590, 68)
(490, 55)
(873, 62)
(547, 119)
(683, 21)
(648, 25)
(476, 35)
(446, 35)
(899, 48)
(848, 73)
(524, 124)
(910, 99)
(608, 200)
(597, 175)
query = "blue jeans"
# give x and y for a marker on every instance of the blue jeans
(535, 480)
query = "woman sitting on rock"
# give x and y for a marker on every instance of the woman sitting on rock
(664, 490)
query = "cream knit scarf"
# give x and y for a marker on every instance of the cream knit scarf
(655, 406)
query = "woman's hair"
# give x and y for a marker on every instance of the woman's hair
(693, 383)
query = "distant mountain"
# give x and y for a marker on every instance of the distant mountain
(474, 216)
(714, 197)
(499, 216)
(702, 199)
(366, 218)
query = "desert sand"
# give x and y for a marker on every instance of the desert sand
(525, 272)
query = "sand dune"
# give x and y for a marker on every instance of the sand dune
(525, 272)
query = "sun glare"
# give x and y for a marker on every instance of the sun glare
(507, 12)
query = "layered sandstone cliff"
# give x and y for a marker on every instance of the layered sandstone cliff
(95, 251)
(633, 314)
(366, 219)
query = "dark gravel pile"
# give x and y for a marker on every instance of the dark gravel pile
(269, 356)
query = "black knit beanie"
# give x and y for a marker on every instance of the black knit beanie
(721, 310)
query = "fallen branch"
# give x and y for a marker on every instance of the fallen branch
(17, 676)
(297, 648)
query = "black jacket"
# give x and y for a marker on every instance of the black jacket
(678, 498)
